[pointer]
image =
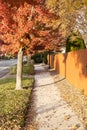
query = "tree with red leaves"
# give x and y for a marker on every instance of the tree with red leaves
(24, 25)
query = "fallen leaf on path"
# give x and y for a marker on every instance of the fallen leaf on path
(75, 127)
(67, 117)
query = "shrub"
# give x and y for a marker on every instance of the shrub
(27, 69)
(74, 42)
(45, 59)
(38, 58)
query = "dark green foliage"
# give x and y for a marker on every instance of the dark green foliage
(38, 58)
(74, 42)
(45, 58)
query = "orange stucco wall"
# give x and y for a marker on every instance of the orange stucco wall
(59, 64)
(73, 66)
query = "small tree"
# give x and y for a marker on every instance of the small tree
(74, 42)
(23, 25)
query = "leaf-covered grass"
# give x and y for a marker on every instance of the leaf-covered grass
(13, 103)
(27, 69)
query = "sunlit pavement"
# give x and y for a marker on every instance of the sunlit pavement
(52, 112)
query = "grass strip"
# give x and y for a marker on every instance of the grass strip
(14, 103)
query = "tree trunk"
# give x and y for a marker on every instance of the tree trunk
(19, 70)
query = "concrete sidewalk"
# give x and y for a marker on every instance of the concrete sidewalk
(52, 112)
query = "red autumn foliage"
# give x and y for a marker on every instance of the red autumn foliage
(26, 23)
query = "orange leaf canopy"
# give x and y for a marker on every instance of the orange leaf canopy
(26, 23)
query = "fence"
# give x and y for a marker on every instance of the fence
(73, 66)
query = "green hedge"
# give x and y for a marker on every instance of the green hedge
(27, 69)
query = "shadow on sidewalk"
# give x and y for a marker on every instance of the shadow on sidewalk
(52, 83)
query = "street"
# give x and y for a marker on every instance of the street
(5, 65)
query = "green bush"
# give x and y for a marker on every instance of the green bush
(38, 58)
(74, 42)
(45, 59)
(27, 69)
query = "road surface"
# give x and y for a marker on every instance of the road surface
(5, 65)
